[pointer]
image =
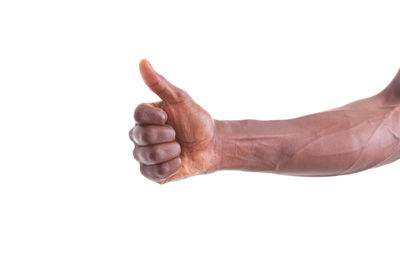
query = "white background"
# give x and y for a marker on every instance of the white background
(71, 193)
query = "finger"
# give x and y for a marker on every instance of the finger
(159, 85)
(150, 114)
(161, 171)
(152, 134)
(131, 134)
(156, 154)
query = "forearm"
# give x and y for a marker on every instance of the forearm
(250, 145)
(350, 139)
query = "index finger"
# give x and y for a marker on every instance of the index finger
(147, 113)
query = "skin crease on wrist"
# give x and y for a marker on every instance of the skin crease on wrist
(175, 138)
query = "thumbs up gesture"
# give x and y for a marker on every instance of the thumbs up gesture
(174, 138)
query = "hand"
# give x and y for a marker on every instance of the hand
(174, 138)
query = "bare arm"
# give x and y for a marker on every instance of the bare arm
(361, 135)
(349, 139)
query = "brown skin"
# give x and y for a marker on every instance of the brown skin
(176, 138)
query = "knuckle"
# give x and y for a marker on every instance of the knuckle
(135, 153)
(144, 170)
(170, 132)
(177, 147)
(180, 93)
(155, 84)
(148, 114)
(139, 111)
(163, 170)
(150, 173)
(153, 155)
(147, 136)
(131, 134)
(135, 134)
(144, 135)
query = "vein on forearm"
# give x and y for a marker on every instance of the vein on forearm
(351, 144)
(329, 143)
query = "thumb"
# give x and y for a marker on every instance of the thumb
(159, 85)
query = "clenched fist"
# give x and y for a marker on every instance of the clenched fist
(174, 138)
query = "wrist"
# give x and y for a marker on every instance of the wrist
(219, 145)
(248, 145)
